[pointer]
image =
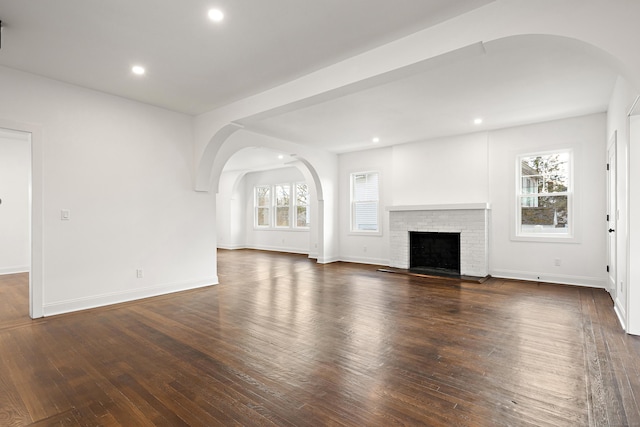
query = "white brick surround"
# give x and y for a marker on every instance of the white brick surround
(470, 220)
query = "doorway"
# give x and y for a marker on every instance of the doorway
(31, 136)
(15, 208)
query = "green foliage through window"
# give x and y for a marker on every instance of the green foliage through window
(544, 193)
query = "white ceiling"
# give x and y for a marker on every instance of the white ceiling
(509, 82)
(194, 65)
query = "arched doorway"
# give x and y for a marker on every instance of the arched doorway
(268, 168)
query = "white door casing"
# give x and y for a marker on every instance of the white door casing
(612, 217)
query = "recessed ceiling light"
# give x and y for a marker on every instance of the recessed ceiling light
(216, 15)
(137, 69)
(477, 121)
(375, 140)
(280, 156)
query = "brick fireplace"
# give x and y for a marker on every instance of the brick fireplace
(470, 220)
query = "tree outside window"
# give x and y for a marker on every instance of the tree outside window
(263, 205)
(275, 204)
(544, 194)
(283, 202)
(302, 205)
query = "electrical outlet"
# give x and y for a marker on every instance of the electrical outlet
(364, 249)
(139, 273)
(557, 262)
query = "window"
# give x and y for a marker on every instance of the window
(544, 194)
(282, 210)
(283, 203)
(263, 206)
(364, 202)
(302, 205)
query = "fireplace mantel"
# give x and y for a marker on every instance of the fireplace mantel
(447, 207)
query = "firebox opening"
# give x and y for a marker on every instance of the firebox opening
(434, 253)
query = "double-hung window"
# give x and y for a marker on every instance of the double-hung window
(263, 206)
(282, 206)
(302, 205)
(364, 202)
(545, 194)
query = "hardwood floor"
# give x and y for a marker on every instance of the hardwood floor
(283, 341)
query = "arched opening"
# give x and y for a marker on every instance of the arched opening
(254, 161)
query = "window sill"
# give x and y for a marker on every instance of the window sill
(544, 238)
(297, 229)
(365, 233)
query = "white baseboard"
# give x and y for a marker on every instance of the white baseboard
(590, 282)
(328, 260)
(120, 297)
(621, 316)
(278, 249)
(14, 270)
(230, 247)
(365, 260)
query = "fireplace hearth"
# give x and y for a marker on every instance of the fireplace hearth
(434, 253)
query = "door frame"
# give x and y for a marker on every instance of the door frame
(36, 300)
(612, 216)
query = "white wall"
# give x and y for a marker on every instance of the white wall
(231, 212)
(124, 170)
(479, 168)
(290, 240)
(583, 262)
(15, 172)
(363, 247)
(441, 171)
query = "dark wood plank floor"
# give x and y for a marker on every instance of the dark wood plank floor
(283, 341)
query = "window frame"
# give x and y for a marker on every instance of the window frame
(518, 233)
(257, 207)
(273, 207)
(277, 206)
(296, 205)
(352, 205)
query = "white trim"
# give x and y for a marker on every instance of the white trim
(127, 296)
(379, 219)
(277, 249)
(230, 247)
(328, 260)
(14, 270)
(572, 193)
(36, 276)
(283, 229)
(446, 207)
(371, 261)
(621, 317)
(561, 279)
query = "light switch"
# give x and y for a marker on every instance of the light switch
(65, 215)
